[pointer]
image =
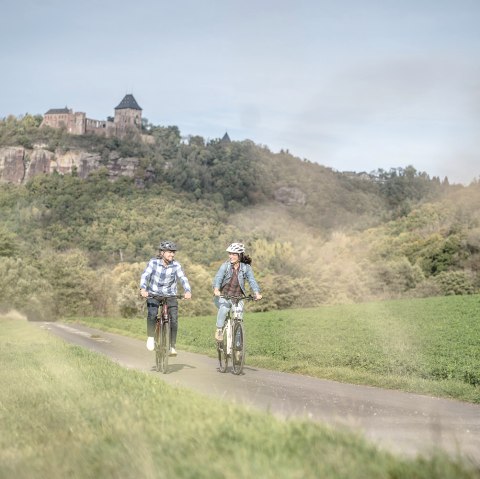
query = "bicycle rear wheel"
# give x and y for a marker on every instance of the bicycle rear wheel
(238, 350)
(222, 352)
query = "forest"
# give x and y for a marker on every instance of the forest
(72, 246)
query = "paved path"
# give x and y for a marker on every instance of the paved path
(400, 422)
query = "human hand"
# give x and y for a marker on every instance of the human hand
(144, 293)
(216, 292)
(188, 295)
(258, 296)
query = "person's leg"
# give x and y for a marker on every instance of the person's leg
(173, 313)
(223, 306)
(152, 310)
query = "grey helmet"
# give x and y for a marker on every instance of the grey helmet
(167, 246)
(238, 248)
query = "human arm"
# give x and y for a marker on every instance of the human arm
(145, 279)
(185, 283)
(252, 282)
(217, 281)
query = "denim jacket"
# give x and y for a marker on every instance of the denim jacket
(224, 274)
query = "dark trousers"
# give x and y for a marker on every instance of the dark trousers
(152, 310)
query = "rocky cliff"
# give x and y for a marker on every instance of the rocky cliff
(18, 164)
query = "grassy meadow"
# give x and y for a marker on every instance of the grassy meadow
(67, 412)
(427, 346)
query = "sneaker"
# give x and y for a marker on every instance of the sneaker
(150, 343)
(173, 352)
(219, 334)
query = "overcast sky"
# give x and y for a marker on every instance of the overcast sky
(353, 85)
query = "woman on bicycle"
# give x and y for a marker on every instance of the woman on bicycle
(160, 278)
(230, 281)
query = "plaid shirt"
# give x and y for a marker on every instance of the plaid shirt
(161, 280)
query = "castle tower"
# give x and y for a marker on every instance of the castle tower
(128, 113)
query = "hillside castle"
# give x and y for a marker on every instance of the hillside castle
(18, 164)
(128, 117)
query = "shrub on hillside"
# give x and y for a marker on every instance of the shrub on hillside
(456, 282)
(395, 277)
(23, 288)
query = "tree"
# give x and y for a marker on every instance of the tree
(8, 243)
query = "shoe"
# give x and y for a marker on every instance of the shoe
(219, 334)
(150, 343)
(172, 352)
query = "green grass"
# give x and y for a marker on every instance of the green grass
(427, 346)
(67, 412)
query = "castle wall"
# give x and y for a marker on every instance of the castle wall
(98, 127)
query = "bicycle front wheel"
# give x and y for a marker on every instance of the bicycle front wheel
(157, 345)
(163, 348)
(238, 350)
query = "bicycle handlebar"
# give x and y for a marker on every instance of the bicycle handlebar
(157, 297)
(238, 298)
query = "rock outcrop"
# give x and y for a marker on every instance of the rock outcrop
(18, 164)
(290, 195)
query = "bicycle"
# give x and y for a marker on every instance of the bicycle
(233, 342)
(162, 332)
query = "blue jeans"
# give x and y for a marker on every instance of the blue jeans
(224, 306)
(152, 310)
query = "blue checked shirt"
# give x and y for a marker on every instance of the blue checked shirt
(161, 280)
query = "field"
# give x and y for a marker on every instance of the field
(428, 346)
(67, 412)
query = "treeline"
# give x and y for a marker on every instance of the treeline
(239, 174)
(70, 246)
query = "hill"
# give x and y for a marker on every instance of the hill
(75, 243)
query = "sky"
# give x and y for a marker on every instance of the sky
(354, 85)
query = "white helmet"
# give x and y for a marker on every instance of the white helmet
(236, 248)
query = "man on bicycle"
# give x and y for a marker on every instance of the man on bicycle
(160, 278)
(230, 281)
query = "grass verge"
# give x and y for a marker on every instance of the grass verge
(67, 412)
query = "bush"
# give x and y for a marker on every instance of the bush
(456, 282)
(23, 288)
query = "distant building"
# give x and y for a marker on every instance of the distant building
(226, 138)
(128, 117)
(128, 113)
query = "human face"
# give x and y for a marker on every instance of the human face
(168, 256)
(233, 257)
